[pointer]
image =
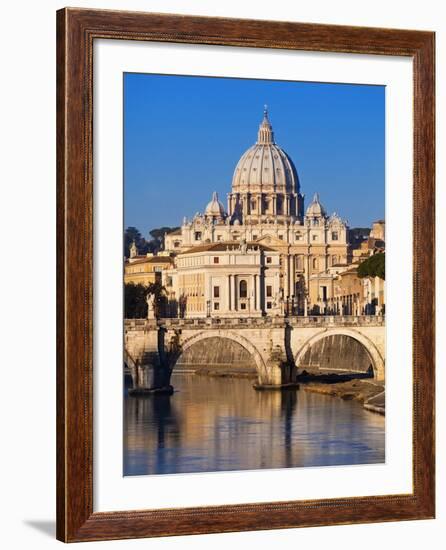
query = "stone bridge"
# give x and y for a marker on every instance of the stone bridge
(278, 348)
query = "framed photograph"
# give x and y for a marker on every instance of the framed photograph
(245, 275)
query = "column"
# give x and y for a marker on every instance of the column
(211, 297)
(234, 296)
(293, 274)
(307, 269)
(229, 294)
(286, 276)
(258, 294)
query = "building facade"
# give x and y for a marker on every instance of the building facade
(145, 270)
(227, 279)
(262, 255)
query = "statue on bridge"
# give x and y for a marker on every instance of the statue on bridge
(150, 299)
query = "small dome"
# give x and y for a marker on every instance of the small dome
(215, 209)
(315, 208)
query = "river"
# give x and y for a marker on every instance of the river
(220, 424)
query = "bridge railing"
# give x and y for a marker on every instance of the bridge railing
(250, 322)
(338, 320)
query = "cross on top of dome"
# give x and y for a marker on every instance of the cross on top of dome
(266, 134)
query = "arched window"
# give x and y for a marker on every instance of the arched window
(314, 263)
(334, 260)
(243, 289)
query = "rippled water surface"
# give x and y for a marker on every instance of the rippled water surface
(214, 424)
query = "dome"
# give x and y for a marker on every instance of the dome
(265, 166)
(215, 209)
(315, 208)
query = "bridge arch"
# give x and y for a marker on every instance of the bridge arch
(376, 358)
(132, 366)
(228, 335)
(128, 359)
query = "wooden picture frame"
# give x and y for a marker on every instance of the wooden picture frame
(76, 31)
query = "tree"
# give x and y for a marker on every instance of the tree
(135, 304)
(131, 234)
(135, 300)
(375, 266)
(154, 245)
(157, 235)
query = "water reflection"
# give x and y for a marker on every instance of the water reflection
(215, 424)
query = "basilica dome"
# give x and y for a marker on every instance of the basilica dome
(265, 166)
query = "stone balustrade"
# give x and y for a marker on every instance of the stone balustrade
(259, 322)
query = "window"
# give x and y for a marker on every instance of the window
(281, 237)
(254, 237)
(334, 235)
(198, 235)
(243, 289)
(269, 305)
(269, 291)
(315, 237)
(216, 292)
(216, 305)
(314, 263)
(253, 205)
(298, 236)
(315, 221)
(243, 306)
(216, 260)
(176, 244)
(269, 260)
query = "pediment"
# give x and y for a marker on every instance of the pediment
(271, 240)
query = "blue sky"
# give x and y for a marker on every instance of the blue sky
(184, 135)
